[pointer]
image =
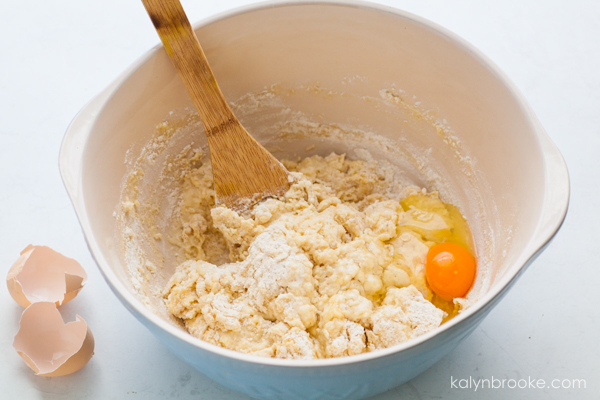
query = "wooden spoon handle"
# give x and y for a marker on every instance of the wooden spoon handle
(244, 172)
(189, 60)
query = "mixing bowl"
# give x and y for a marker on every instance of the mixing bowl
(442, 112)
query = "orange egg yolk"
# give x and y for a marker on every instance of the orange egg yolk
(450, 270)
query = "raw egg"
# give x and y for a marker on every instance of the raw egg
(450, 270)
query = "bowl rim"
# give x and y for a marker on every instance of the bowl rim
(556, 197)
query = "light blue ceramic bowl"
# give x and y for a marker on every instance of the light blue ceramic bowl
(514, 188)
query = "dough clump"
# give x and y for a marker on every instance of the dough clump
(335, 268)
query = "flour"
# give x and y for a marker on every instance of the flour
(332, 269)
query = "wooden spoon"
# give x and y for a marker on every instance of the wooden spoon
(244, 172)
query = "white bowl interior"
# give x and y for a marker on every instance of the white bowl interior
(449, 122)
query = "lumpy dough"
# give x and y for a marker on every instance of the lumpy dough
(335, 268)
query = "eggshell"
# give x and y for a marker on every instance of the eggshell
(42, 274)
(48, 345)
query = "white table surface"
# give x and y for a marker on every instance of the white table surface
(56, 55)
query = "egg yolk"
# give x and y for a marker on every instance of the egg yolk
(450, 270)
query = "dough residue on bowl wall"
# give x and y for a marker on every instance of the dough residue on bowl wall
(166, 221)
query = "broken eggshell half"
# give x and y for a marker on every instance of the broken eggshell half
(48, 345)
(42, 274)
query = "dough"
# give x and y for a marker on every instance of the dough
(334, 268)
